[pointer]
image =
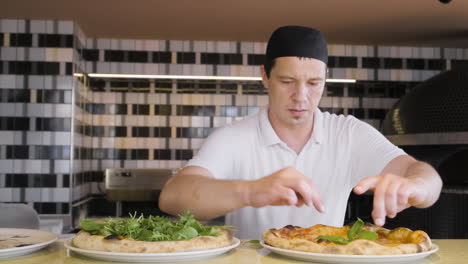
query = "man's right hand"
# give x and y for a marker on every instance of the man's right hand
(287, 186)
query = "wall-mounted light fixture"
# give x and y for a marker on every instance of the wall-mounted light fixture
(189, 77)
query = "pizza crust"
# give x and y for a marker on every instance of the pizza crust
(84, 240)
(422, 243)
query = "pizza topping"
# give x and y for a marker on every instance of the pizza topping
(353, 233)
(153, 228)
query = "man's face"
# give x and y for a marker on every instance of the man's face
(295, 87)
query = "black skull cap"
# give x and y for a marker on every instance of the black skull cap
(297, 41)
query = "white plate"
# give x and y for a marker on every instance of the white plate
(152, 257)
(37, 238)
(337, 258)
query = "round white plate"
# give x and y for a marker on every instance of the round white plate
(37, 238)
(337, 258)
(152, 257)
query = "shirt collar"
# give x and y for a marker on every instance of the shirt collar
(269, 136)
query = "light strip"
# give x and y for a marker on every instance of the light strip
(193, 77)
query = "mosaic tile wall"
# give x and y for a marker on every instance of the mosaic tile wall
(58, 133)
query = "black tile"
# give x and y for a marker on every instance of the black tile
(373, 63)
(20, 67)
(332, 61)
(205, 88)
(50, 97)
(91, 54)
(65, 180)
(1, 39)
(97, 131)
(114, 55)
(69, 68)
(163, 86)
(20, 40)
(162, 57)
(415, 64)
(162, 154)
(356, 90)
(53, 124)
(333, 110)
(377, 91)
(183, 154)
(191, 132)
(228, 88)
(46, 68)
(140, 109)
(120, 154)
(118, 131)
(97, 109)
(186, 57)
(44, 180)
(377, 113)
(14, 123)
(1, 66)
(99, 154)
(253, 88)
(189, 110)
(346, 62)
(163, 110)
(16, 181)
(139, 154)
(97, 85)
(15, 96)
(51, 152)
(357, 112)
(140, 131)
(46, 208)
(210, 58)
(393, 63)
(121, 109)
(55, 40)
(162, 132)
(255, 59)
(231, 58)
(17, 152)
(459, 64)
(335, 90)
(137, 56)
(437, 64)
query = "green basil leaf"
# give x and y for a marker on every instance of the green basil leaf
(369, 235)
(90, 226)
(335, 239)
(255, 241)
(187, 232)
(355, 229)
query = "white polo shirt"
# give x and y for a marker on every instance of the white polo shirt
(341, 151)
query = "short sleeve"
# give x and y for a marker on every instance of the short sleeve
(216, 154)
(371, 151)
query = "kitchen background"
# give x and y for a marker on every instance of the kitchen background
(60, 129)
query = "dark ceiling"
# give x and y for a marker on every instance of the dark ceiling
(395, 22)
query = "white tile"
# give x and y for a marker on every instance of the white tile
(383, 75)
(259, 47)
(223, 47)
(247, 47)
(65, 27)
(6, 137)
(128, 44)
(33, 195)
(336, 50)
(199, 46)
(210, 46)
(383, 51)
(37, 26)
(9, 54)
(37, 54)
(176, 45)
(61, 195)
(115, 44)
(59, 54)
(175, 69)
(103, 43)
(12, 25)
(6, 194)
(7, 109)
(361, 51)
(49, 26)
(64, 82)
(103, 67)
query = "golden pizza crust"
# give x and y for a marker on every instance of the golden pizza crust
(390, 242)
(85, 240)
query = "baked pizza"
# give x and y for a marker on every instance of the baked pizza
(358, 239)
(154, 234)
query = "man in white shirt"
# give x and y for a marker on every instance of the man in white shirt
(293, 164)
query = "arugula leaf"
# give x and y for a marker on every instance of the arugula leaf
(152, 228)
(355, 229)
(335, 239)
(369, 235)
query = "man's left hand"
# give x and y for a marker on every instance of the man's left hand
(392, 194)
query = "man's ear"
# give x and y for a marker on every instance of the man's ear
(264, 76)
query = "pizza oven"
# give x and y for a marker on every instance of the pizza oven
(135, 189)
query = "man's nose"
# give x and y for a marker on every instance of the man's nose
(300, 92)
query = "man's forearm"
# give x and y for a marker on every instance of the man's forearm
(205, 197)
(429, 177)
